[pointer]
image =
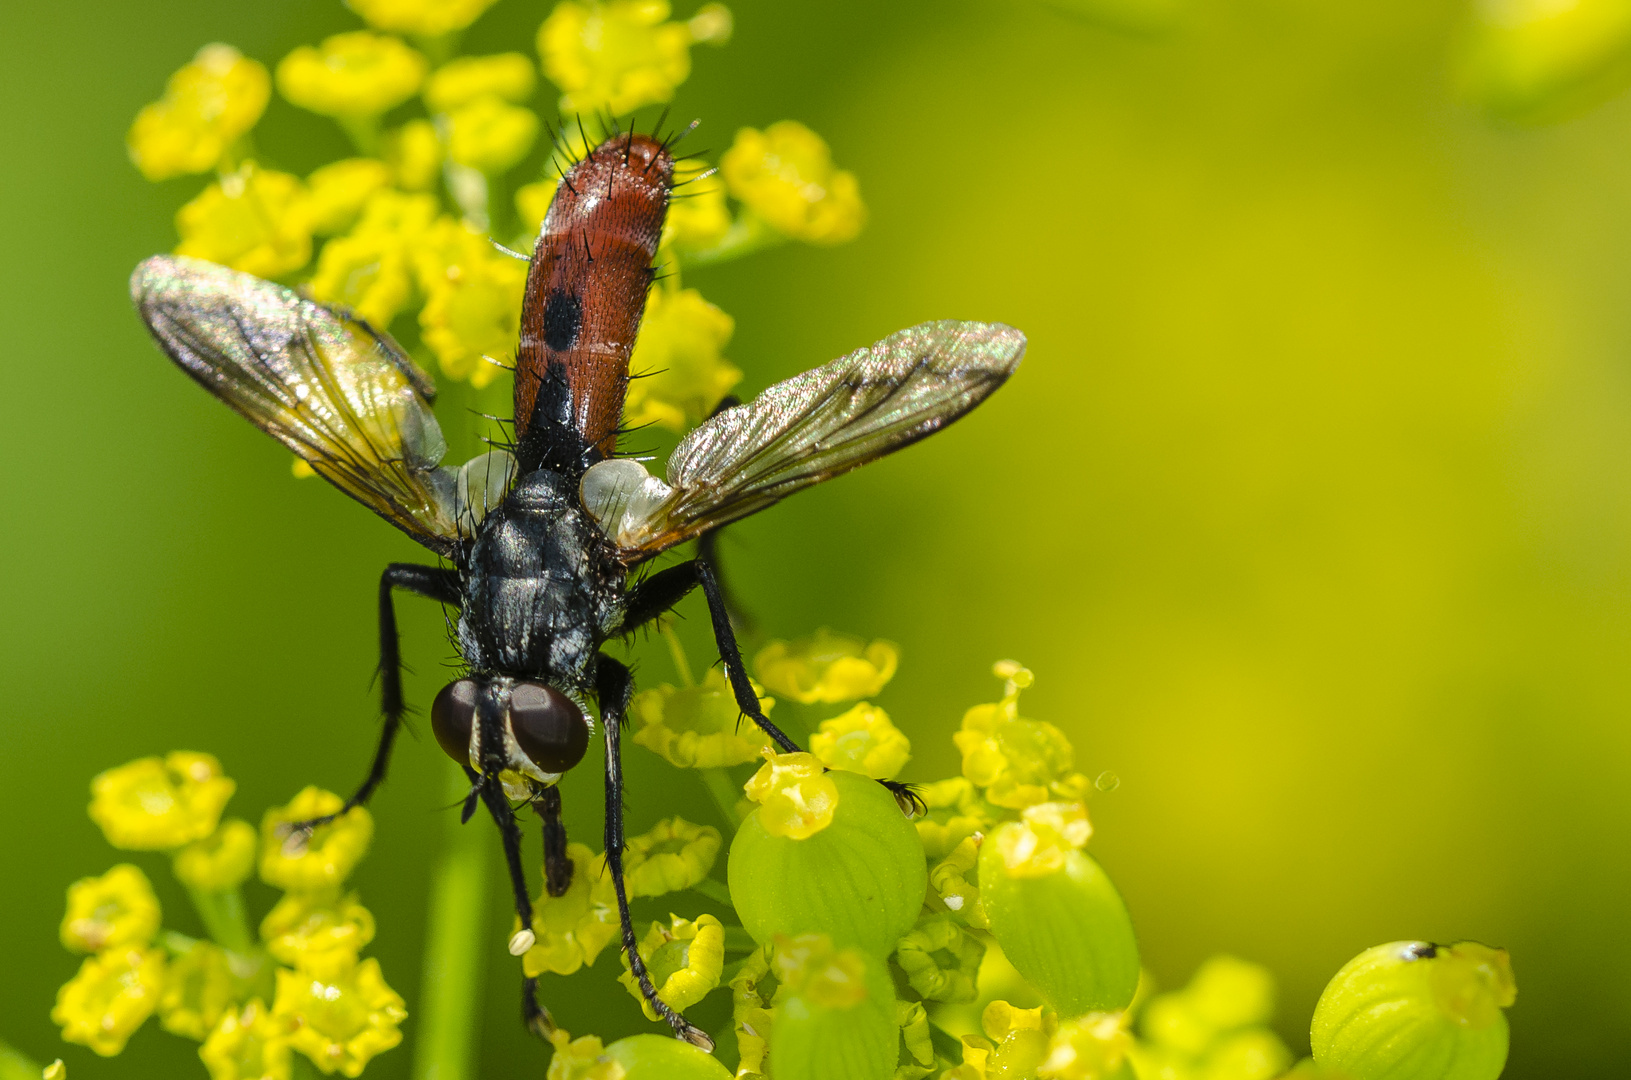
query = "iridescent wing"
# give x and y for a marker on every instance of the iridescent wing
(338, 393)
(800, 432)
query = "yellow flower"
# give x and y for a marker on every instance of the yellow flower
(862, 741)
(55, 1071)
(620, 55)
(207, 106)
(826, 667)
(573, 929)
(785, 175)
(110, 997)
(421, 18)
(340, 189)
(340, 1021)
(414, 153)
(532, 203)
(750, 1012)
(1019, 1040)
(796, 796)
(1039, 844)
(369, 270)
(941, 959)
(1090, 1047)
(955, 812)
(255, 220)
(154, 805)
(581, 1059)
(951, 878)
(247, 1044)
(1019, 762)
(351, 75)
(327, 856)
(199, 989)
(106, 912)
(473, 305)
(698, 727)
(489, 134)
(697, 215)
(678, 374)
(317, 930)
(459, 82)
(219, 861)
(674, 855)
(684, 959)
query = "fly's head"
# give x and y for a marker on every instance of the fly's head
(524, 731)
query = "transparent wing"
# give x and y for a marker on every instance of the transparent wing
(800, 432)
(329, 387)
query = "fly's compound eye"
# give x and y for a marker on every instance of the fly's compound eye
(548, 727)
(452, 715)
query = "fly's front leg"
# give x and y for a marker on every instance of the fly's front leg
(615, 687)
(533, 1015)
(557, 866)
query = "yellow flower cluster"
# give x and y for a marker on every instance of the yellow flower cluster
(673, 856)
(208, 105)
(677, 375)
(252, 219)
(797, 796)
(619, 55)
(684, 959)
(862, 740)
(420, 18)
(1217, 1026)
(355, 74)
(1017, 761)
(155, 804)
(571, 930)
(698, 727)
(1035, 1043)
(785, 176)
(826, 667)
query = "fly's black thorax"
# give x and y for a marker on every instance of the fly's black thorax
(541, 594)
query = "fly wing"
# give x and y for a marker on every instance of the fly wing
(332, 389)
(800, 432)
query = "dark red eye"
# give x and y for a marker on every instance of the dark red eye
(548, 726)
(452, 715)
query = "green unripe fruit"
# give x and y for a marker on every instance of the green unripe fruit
(1414, 1011)
(860, 879)
(1061, 924)
(835, 1019)
(657, 1057)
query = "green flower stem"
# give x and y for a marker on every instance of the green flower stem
(223, 916)
(363, 132)
(14, 1066)
(725, 793)
(454, 958)
(713, 890)
(682, 666)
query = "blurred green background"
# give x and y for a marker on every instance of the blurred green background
(1310, 506)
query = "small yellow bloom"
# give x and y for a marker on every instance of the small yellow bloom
(809, 965)
(580, 1059)
(247, 1044)
(1039, 844)
(620, 55)
(955, 813)
(154, 805)
(459, 82)
(941, 959)
(221, 860)
(796, 796)
(1019, 762)
(698, 727)
(684, 959)
(532, 202)
(826, 667)
(1090, 1047)
(678, 374)
(751, 1015)
(255, 220)
(573, 929)
(785, 175)
(351, 75)
(863, 741)
(369, 270)
(473, 308)
(340, 189)
(207, 106)
(1019, 1038)
(420, 18)
(327, 856)
(110, 911)
(340, 1021)
(673, 856)
(317, 930)
(55, 1071)
(489, 134)
(697, 216)
(414, 153)
(199, 989)
(951, 878)
(113, 993)
(1227, 993)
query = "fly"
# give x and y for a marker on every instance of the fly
(543, 543)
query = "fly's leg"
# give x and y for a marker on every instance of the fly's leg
(427, 581)
(533, 1015)
(614, 687)
(557, 867)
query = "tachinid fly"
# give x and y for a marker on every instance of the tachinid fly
(542, 542)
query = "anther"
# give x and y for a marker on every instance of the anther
(521, 941)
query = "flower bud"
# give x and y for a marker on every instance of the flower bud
(1410, 1010)
(836, 1013)
(1065, 930)
(861, 879)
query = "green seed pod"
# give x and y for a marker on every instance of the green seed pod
(657, 1057)
(860, 879)
(835, 1016)
(1410, 1010)
(1059, 921)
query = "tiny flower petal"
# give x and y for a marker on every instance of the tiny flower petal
(797, 797)
(698, 727)
(785, 175)
(116, 909)
(473, 308)
(317, 929)
(414, 153)
(199, 989)
(247, 1044)
(617, 55)
(339, 190)
(674, 855)
(507, 76)
(154, 805)
(1091, 1047)
(327, 856)
(685, 960)
(207, 106)
(351, 75)
(489, 134)
(113, 993)
(340, 1021)
(1017, 761)
(1039, 845)
(572, 930)
(369, 270)
(826, 667)
(863, 741)
(221, 860)
(255, 220)
(420, 18)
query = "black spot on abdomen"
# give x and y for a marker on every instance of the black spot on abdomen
(563, 316)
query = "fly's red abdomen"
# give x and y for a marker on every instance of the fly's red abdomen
(586, 289)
